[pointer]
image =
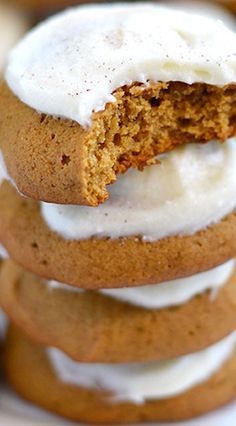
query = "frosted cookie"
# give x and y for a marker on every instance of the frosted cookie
(143, 80)
(13, 25)
(101, 393)
(174, 219)
(122, 325)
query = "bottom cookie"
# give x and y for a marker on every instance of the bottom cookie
(34, 373)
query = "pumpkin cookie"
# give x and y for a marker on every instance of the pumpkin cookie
(104, 393)
(110, 262)
(115, 330)
(71, 122)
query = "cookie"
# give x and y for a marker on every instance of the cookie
(121, 262)
(113, 330)
(64, 172)
(32, 374)
(69, 128)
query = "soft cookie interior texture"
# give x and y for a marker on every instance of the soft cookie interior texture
(115, 86)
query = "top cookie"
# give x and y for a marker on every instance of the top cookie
(98, 89)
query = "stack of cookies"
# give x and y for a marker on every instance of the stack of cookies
(123, 302)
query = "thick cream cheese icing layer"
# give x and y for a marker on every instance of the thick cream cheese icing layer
(169, 293)
(175, 292)
(145, 381)
(70, 65)
(193, 187)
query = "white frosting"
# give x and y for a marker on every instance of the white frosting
(4, 175)
(213, 9)
(70, 65)
(145, 381)
(193, 187)
(166, 294)
(3, 170)
(54, 285)
(12, 27)
(175, 292)
(3, 252)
